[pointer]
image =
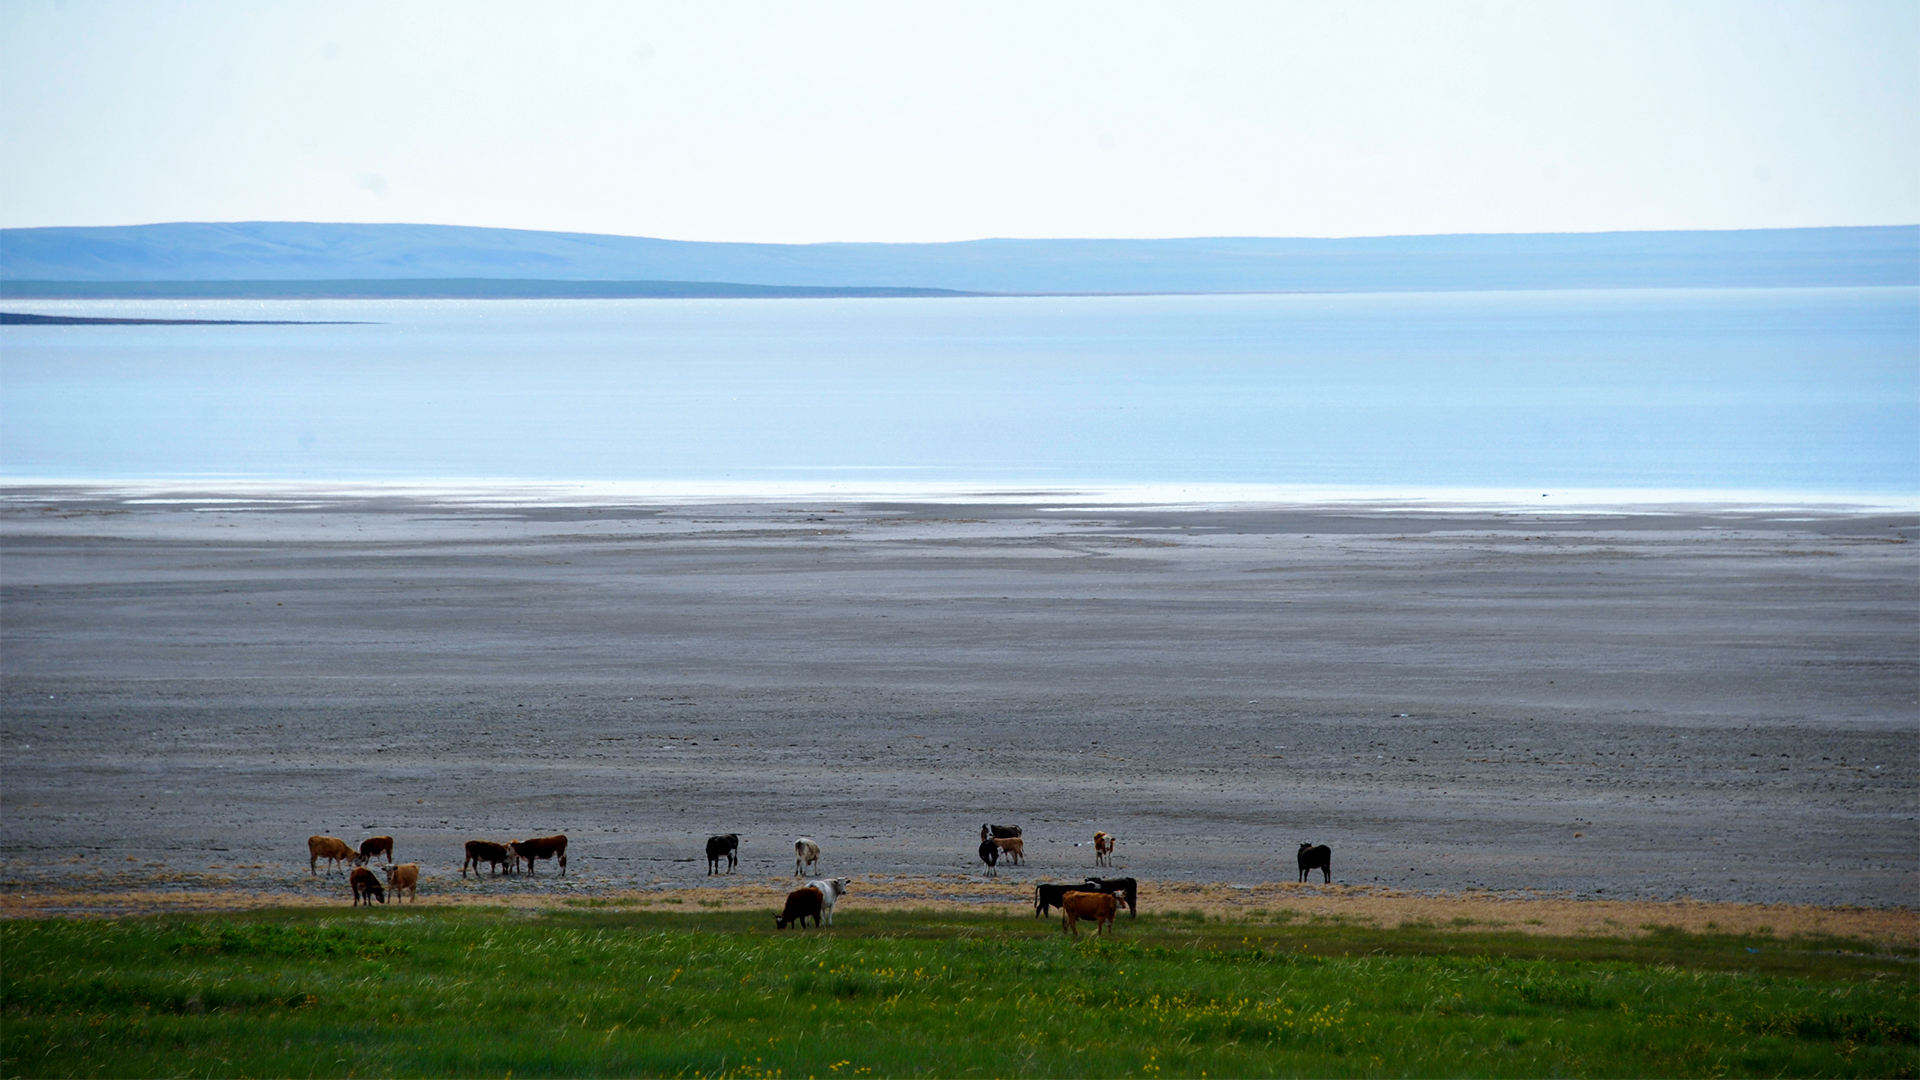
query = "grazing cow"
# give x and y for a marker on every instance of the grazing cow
(831, 890)
(1015, 849)
(404, 878)
(990, 854)
(366, 887)
(542, 847)
(999, 832)
(486, 851)
(1046, 895)
(1097, 907)
(722, 847)
(1102, 849)
(805, 853)
(1316, 858)
(375, 845)
(1125, 888)
(331, 848)
(801, 904)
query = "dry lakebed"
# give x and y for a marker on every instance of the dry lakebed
(1649, 711)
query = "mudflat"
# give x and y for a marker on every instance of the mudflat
(1715, 705)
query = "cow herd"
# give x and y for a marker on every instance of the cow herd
(362, 882)
(365, 885)
(1094, 899)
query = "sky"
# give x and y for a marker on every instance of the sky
(799, 122)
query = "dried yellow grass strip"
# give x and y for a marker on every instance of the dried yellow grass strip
(1274, 902)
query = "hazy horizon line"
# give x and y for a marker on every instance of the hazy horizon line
(968, 240)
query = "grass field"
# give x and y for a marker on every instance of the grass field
(608, 990)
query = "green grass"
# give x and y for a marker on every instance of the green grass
(700, 992)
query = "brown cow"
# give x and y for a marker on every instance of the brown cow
(375, 845)
(365, 886)
(1014, 848)
(486, 851)
(1098, 907)
(404, 878)
(542, 847)
(801, 904)
(1102, 849)
(331, 848)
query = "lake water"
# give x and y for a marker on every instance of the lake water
(1805, 391)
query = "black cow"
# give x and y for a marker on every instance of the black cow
(999, 832)
(1046, 895)
(719, 847)
(990, 854)
(1316, 858)
(1125, 888)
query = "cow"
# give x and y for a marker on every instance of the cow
(1316, 858)
(331, 848)
(1102, 849)
(1098, 907)
(723, 847)
(831, 890)
(366, 887)
(1125, 888)
(1014, 848)
(999, 832)
(1046, 895)
(990, 854)
(542, 847)
(404, 878)
(486, 851)
(375, 845)
(801, 904)
(805, 853)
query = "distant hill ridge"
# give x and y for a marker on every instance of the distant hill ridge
(261, 252)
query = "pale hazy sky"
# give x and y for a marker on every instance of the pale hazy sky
(796, 122)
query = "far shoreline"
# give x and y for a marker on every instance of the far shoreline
(1039, 497)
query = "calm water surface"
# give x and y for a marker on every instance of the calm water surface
(1804, 390)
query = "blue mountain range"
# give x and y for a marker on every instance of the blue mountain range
(117, 259)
